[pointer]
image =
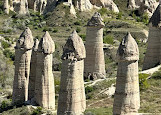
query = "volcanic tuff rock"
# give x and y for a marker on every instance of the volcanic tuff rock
(127, 96)
(23, 51)
(44, 84)
(33, 66)
(144, 6)
(72, 98)
(153, 52)
(94, 62)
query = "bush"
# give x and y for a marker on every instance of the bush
(108, 39)
(145, 18)
(9, 54)
(78, 29)
(143, 84)
(119, 16)
(5, 44)
(83, 37)
(103, 11)
(55, 30)
(37, 111)
(88, 89)
(156, 75)
(77, 23)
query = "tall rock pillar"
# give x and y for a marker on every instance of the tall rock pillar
(44, 84)
(6, 6)
(23, 51)
(72, 100)
(94, 62)
(127, 96)
(33, 70)
(23, 8)
(153, 53)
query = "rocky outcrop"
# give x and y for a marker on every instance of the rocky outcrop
(23, 51)
(33, 66)
(153, 52)
(21, 7)
(94, 62)
(44, 84)
(84, 5)
(109, 4)
(127, 96)
(72, 100)
(40, 5)
(144, 6)
(6, 7)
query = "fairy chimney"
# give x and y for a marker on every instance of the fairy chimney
(6, 7)
(23, 7)
(94, 62)
(127, 96)
(44, 84)
(153, 53)
(72, 100)
(33, 70)
(23, 51)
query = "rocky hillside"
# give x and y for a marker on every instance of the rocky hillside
(60, 19)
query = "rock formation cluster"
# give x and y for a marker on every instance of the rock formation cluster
(94, 62)
(23, 52)
(152, 57)
(37, 84)
(144, 6)
(72, 100)
(127, 97)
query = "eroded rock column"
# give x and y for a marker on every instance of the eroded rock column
(33, 70)
(94, 62)
(23, 8)
(23, 51)
(72, 99)
(153, 53)
(127, 96)
(44, 84)
(6, 7)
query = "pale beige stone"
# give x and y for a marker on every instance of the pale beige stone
(44, 84)
(33, 66)
(23, 7)
(6, 6)
(40, 5)
(127, 96)
(153, 52)
(23, 51)
(94, 62)
(72, 100)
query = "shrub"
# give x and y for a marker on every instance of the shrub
(119, 16)
(143, 81)
(145, 18)
(9, 54)
(37, 111)
(83, 37)
(77, 23)
(78, 29)
(55, 30)
(88, 89)
(5, 44)
(108, 39)
(103, 11)
(156, 75)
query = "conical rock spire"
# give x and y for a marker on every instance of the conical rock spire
(74, 47)
(155, 20)
(96, 20)
(25, 40)
(46, 44)
(128, 49)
